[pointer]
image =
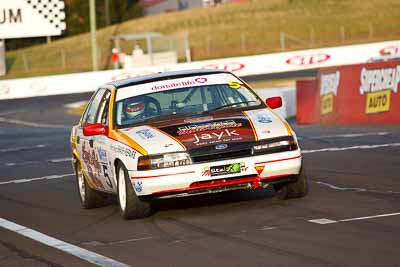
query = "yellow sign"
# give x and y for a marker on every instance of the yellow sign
(326, 104)
(234, 85)
(377, 102)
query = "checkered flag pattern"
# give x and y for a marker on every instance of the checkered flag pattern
(51, 10)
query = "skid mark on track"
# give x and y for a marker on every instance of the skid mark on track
(99, 243)
(245, 242)
(354, 189)
(24, 255)
(334, 149)
(68, 248)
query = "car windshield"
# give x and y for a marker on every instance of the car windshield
(183, 102)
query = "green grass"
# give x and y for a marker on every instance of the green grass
(229, 30)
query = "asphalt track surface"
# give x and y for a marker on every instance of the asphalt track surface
(353, 173)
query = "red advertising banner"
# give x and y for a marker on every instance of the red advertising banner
(355, 94)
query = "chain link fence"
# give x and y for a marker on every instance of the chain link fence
(75, 56)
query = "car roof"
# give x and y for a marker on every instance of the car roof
(162, 76)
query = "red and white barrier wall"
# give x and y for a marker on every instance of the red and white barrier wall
(352, 94)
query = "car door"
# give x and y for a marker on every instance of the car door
(85, 144)
(101, 144)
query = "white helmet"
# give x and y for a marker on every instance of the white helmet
(135, 109)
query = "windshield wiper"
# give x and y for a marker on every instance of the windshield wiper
(227, 105)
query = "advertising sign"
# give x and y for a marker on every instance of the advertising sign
(329, 83)
(31, 18)
(362, 93)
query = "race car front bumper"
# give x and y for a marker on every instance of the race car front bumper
(202, 178)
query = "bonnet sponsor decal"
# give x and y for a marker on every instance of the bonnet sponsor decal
(146, 134)
(263, 118)
(215, 137)
(194, 128)
(196, 135)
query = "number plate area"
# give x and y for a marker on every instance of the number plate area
(225, 169)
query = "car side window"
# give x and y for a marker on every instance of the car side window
(102, 116)
(91, 112)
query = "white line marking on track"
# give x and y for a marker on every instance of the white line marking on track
(265, 228)
(68, 248)
(371, 217)
(76, 104)
(332, 149)
(50, 177)
(15, 149)
(60, 160)
(323, 221)
(349, 135)
(34, 124)
(329, 221)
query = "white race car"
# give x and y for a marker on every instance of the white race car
(180, 134)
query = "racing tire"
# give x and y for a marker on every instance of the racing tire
(297, 189)
(130, 205)
(88, 196)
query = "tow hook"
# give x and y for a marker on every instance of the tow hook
(256, 184)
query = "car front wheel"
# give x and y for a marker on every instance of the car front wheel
(131, 206)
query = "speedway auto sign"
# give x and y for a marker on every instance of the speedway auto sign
(31, 18)
(378, 84)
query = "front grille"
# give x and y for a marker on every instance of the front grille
(222, 156)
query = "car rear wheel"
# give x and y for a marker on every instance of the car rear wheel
(89, 197)
(298, 188)
(131, 206)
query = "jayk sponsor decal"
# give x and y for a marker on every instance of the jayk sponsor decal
(216, 137)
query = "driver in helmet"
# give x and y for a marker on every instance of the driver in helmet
(134, 111)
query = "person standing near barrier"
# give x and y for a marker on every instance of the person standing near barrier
(115, 58)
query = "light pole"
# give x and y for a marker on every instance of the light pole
(93, 33)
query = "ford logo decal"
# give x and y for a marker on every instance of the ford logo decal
(221, 146)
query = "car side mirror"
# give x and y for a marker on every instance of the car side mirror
(274, 102)
(95, 129)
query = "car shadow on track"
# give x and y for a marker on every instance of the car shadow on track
(208, 200)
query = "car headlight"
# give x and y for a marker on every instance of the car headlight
(153, 162)
(287, 143)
